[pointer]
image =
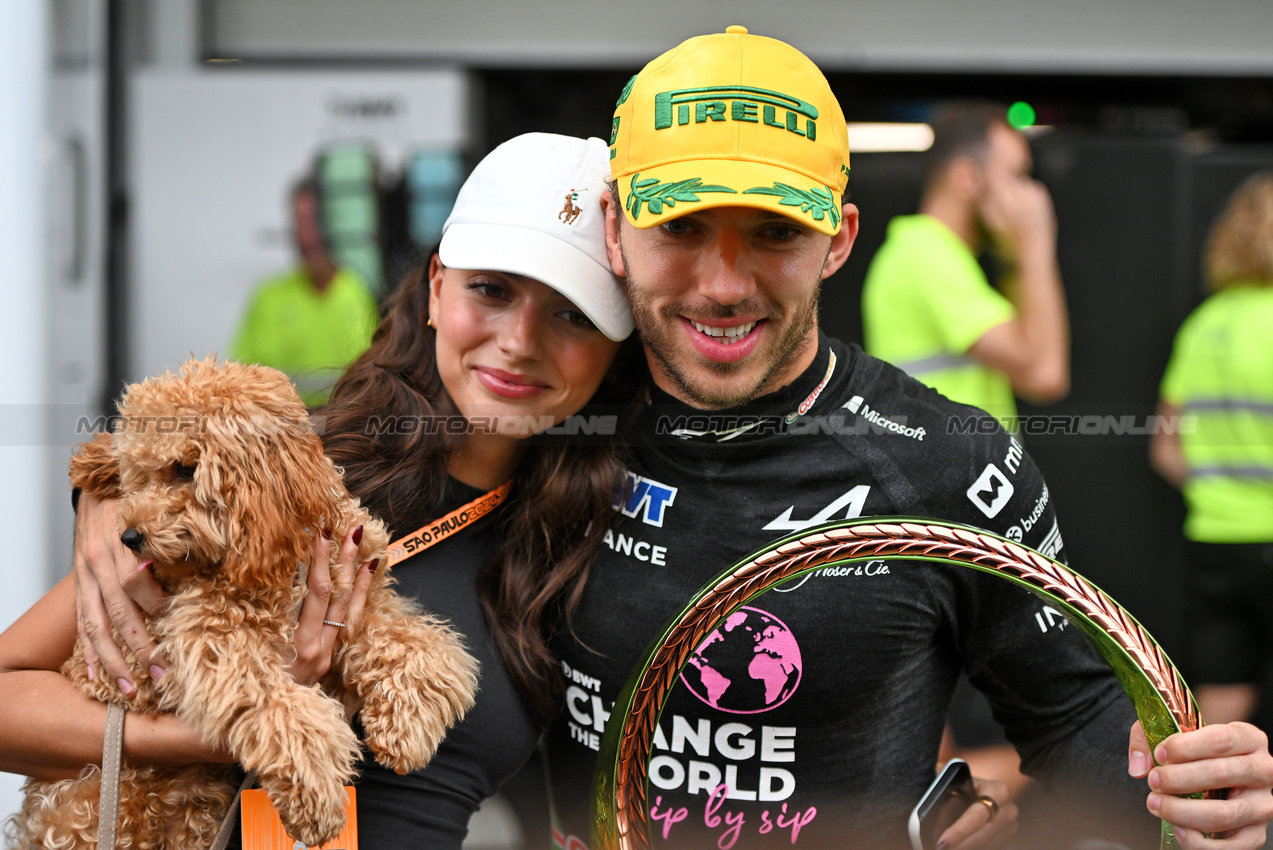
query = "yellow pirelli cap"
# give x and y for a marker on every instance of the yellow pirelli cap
(730, 119)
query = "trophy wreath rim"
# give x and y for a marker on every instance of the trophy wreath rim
(1162, 700)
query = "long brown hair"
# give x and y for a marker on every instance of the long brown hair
(560, 507)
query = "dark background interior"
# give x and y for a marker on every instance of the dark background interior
(1138, 168)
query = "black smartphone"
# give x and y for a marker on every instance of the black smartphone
(951, 793)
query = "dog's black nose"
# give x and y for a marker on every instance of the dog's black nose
(132, 538)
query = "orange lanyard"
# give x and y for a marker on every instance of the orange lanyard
(440, 529)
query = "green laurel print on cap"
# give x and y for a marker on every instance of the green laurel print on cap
(817, 201)
(627, 90)
(655, 197)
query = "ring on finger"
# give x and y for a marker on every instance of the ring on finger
(990, 804)
(342, 625)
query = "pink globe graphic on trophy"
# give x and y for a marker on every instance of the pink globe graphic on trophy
(748, 665)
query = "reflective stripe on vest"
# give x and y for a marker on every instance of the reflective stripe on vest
(936, 363)
(1259, 473)
(1229, 405)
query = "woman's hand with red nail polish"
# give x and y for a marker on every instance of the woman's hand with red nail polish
(336, 593)
(113, 588)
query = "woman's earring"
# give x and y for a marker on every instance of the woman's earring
(430, 323)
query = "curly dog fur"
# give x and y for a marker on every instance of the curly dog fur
(220, 472)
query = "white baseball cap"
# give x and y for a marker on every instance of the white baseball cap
(533, 207)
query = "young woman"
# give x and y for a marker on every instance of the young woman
(513, 326)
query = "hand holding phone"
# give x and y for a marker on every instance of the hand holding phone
(951, 793)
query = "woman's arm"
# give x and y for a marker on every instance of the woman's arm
(50, 730)
(1166, 455)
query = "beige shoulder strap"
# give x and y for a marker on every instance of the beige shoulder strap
(108, 805)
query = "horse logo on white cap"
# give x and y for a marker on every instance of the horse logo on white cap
(570, 212)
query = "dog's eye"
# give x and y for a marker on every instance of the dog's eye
(184, 472)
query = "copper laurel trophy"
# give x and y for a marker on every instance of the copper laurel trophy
(621, 809)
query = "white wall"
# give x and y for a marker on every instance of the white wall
(75, 216)
(51, 231)
(1157, 36)
(213, 156)
(24, 319)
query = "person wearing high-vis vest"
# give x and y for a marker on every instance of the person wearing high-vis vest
(1218, 388)
(310, 322)
(929, 309)
(927, 306)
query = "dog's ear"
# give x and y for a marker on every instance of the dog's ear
(94, 467)
(276, 483)
(317, 490)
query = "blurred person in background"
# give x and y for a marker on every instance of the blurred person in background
(1221, 373)
(312, 321)
(927, 306)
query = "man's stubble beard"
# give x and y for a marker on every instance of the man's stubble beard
(658, 338)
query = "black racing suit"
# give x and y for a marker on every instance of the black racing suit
(813, 717)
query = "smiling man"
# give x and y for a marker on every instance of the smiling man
(813, 716)
(730, 305)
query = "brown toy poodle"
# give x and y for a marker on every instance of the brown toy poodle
(222, 485)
